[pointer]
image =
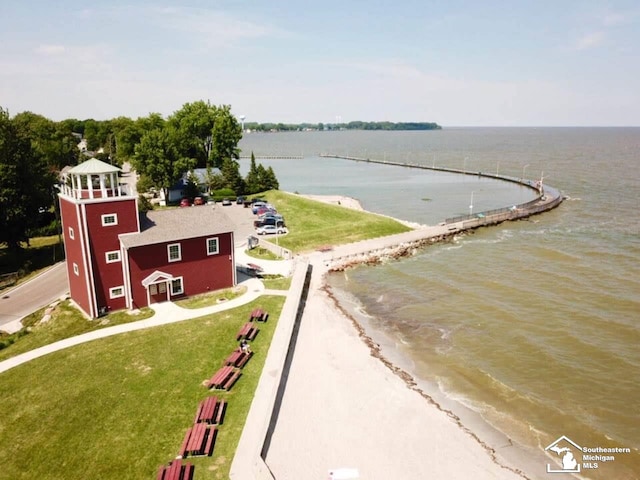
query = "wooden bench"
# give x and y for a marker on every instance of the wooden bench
(248, 331)
(176, 470)
(211, 411)
(238, 358)
(224, 378)
(258, 315)
(199, 440)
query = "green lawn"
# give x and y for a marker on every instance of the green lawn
(212, 298)
(313, 224)
(119, 407)
(67, 321)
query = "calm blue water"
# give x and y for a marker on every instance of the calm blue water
(534, 324)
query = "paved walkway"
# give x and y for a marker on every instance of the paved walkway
(165, 313)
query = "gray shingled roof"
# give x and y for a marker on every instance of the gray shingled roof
(159, 226)
(94, 166)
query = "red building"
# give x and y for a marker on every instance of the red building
(119, 259)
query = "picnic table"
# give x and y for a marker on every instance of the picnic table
(248, 331)
(199, 440)
(211, 411)
(238, 358)
(176, 470)
(258, 315)
(225, 377)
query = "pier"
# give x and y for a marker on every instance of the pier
(273, 157)
(394, 246)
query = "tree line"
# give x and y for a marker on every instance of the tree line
(34, 149)
(355, 125)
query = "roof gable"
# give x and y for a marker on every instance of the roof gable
(155, 277)
(93, 166)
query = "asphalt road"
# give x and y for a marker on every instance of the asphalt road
(32, 295)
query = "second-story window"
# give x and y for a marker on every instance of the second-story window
(113, 256)
(109, 220)
(175, 255)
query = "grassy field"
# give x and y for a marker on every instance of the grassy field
(119, 407)
(66, 322)
(313, 224)
(212, 298)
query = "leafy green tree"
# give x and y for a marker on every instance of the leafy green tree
(25, 183)
(214, 180)
(53, 142)
(156, 158)
(226, 134)
(192, 128)
(191, 188)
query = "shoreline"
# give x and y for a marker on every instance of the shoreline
(503, 450)
(351, 402)
(346, 405)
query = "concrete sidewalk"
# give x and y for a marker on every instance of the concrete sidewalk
(165, 313)
(270, 267)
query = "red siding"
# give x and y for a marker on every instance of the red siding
(201, 272)
(104, 239)
(73, 251)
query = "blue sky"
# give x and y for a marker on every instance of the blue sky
(511, 63)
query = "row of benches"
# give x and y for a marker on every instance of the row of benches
(200, 438)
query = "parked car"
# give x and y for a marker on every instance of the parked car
(198, 201)
(240, 200)
(270, 230)
(185, 202)
(268, 221)
(226, 202)
(256, 206)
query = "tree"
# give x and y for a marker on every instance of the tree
(226, 134)
(192, 128)
(156, 158)
(252, 179)
(53, 142)
(25, 183)
(270, 180)
(232, 178)
(214, 180)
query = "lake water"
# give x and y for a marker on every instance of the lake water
(533, 324)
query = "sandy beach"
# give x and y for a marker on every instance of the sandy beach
(345, 408)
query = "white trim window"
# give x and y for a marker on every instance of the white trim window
(174, 252)
(109, 219)
(113, 256)
(76, 270)
(72, 234)
(213, 246)
(177, 287)
(116, 292)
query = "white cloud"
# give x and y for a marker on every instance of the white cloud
(590, 40)
(50, 49)
(614, 19)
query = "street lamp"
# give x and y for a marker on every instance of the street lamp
(523, 170)
(471, 204)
